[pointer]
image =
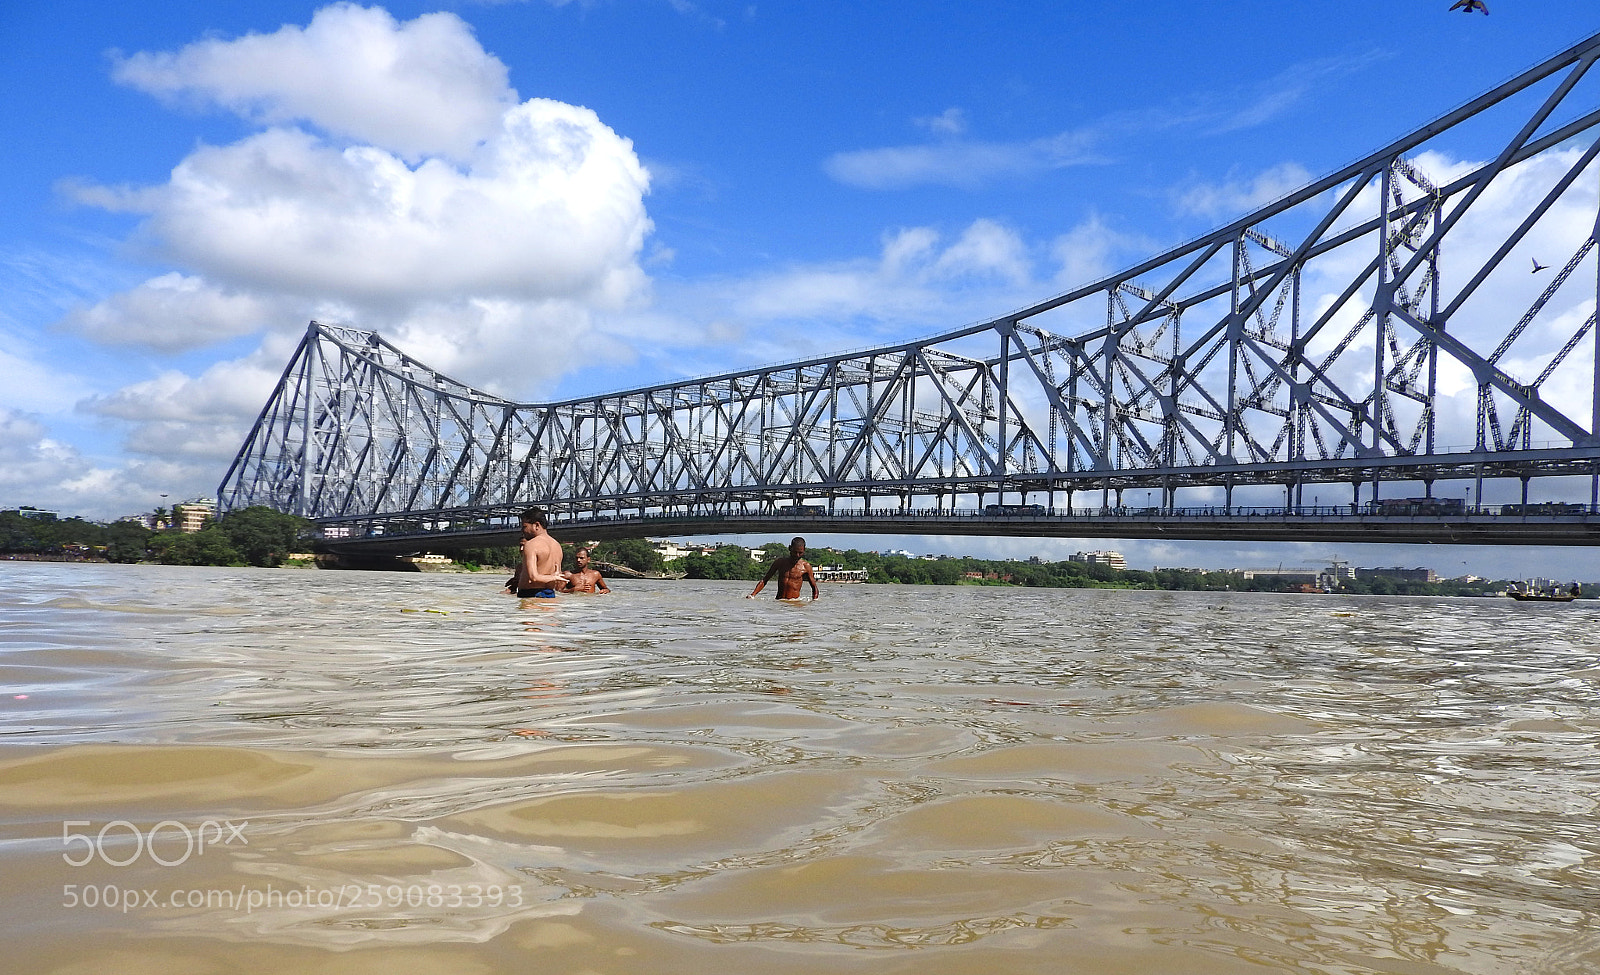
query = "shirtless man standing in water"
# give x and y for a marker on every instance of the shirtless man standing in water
(587, 578)
(539, 576)
(791, 570)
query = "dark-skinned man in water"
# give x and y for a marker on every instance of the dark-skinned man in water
(586, 578)
(791, 570)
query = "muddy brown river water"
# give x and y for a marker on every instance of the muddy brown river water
(220, 770)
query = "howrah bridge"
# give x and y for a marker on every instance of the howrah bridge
(1402, 350)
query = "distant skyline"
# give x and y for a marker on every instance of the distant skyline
(548, 199)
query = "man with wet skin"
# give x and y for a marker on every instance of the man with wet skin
(791, 570)
(539, 575)
(586, 578)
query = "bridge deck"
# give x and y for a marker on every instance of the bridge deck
(1326, 524)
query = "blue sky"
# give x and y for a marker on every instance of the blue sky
(187, 184)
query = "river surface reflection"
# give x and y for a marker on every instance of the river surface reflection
(410, 773)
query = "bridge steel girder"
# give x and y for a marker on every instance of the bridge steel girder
(1349, 332)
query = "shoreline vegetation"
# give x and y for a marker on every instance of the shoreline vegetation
(257, 536)
(260, 536)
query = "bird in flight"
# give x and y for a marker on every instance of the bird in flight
(1468, 6)
(1537, 267)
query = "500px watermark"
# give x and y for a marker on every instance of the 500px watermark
(251, 899)
(120, 843)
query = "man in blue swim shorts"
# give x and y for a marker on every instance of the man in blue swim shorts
(539, 576)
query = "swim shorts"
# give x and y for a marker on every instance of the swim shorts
(536, 593)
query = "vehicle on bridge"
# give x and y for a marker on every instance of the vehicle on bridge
(1417, 506)
(1013, 509)
(1545, 508)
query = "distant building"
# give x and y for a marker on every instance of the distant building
(670, 550)
(191, 516)
(1112, 559)
(1396, 572)
(29, 511)
(838, 573)
(987, 576)
(1298, 577)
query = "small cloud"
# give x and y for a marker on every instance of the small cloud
(916, 275)
(952, 121)
(692, 10)
(985, 249)
(1274, 96)
(1090, 251)
(1239, 195)
(969, 164)
(959, 163)
(172, 313)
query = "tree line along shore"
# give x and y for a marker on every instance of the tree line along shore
(260, 536)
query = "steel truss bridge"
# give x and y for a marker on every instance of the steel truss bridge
(1375, 335)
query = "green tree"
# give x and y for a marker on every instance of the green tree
(635, 553)
(127, 541)
(261, 536)
(505, 555)
(209, 546)
(727, 562)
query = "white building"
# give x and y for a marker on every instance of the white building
(191, 516)
(1303, 577)
(670, 549)
(1112, 559)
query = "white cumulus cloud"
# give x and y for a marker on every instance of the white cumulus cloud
(423, 87)
(394, 182)
(552, 206)
(397, 178)
(172, 312)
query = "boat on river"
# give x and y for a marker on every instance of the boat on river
(1541, 597)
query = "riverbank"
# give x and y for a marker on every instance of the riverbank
(954, 573)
